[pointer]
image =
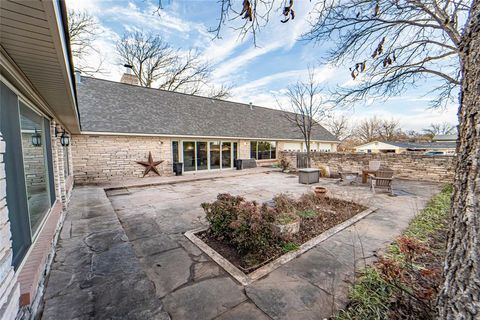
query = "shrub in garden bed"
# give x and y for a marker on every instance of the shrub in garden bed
(247, 234)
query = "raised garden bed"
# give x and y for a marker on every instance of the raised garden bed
(250, 240)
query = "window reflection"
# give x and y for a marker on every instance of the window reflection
(226, 155)
(36, 176)
(215, 155)
(202, 156)
(262, 150)
(189, 156)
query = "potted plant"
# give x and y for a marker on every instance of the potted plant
(320, 191)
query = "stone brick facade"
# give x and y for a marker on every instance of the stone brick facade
(99, 158)
(9, 287)
(244, 149)
(406, 166)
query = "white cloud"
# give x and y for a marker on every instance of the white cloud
(274, 36)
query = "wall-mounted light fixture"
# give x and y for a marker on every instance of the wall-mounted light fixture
(36, 139)
(65, 139)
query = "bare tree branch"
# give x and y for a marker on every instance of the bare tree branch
(339, 126)
(148, 55)
(306, 107)
(82, 28)
(155, 62)
(440, 128)
(397, 42)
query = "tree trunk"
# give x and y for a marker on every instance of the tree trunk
(307, 144)
(460, 295)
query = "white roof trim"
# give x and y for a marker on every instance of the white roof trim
(95, 133)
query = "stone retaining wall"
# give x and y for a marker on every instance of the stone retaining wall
(407, 166)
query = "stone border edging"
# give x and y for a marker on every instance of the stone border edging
(245, 279)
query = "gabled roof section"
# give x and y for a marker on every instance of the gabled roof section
(113, 107)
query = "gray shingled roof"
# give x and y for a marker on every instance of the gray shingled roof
(107, 106)
(423, 145)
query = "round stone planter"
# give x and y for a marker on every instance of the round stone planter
(320, 191)
(289, 228)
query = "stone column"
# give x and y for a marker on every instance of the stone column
(70, 157)
(9, 287)
(244, 149)
(58, 172)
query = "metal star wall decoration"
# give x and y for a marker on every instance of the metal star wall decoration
(150, 165)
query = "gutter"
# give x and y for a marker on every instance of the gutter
(66, 35)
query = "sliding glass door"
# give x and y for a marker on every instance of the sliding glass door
(202, 156)
(226, 155)
(189, 156)
(208, 155)
(29, 169)
(214, 155)
(34, 162)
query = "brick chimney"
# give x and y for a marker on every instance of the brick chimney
(128, 77)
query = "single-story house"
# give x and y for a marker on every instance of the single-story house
(447, 148)
(121, 123)
(445, 138)
(55, 129)
(38, 112)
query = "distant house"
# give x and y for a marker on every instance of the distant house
(445, 138)
(445, 148)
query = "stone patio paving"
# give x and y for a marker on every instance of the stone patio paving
(125, 256)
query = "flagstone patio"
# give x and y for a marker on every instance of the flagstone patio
(122, 253)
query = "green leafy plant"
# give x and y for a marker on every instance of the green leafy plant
(285, 218)
(221, 213)
(308, 213)
(253, 228)
(290, 246)
(369, 298)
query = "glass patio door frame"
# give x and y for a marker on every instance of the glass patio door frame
(22, 235)
(195, 141)
(46, 144)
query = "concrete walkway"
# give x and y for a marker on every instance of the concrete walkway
(183, 279)
(95, 274)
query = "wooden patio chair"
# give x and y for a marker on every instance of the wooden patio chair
(372, 168)
(347, 175)
(374, 165)
(382, 179)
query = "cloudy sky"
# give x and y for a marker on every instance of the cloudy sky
(256, 74)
